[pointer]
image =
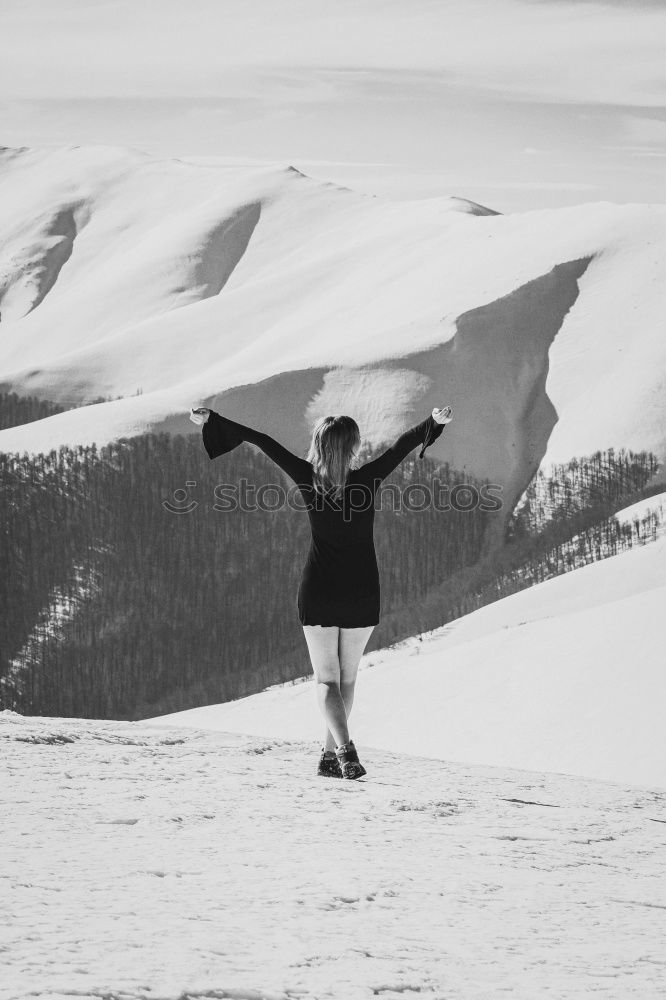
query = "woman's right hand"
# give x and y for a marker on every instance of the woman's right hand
(442, 415)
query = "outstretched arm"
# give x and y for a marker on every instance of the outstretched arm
(221, 435)
(423, 434)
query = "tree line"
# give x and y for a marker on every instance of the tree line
(120, 604)
(564, 520)
(16, 410)
(119, 607)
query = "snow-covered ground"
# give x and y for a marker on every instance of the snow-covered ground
(141, 863)
(278, 297)
(567, 676)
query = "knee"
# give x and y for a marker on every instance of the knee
(347, 684)
(328, 685)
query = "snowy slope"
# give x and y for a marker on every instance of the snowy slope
(277, 298)
(567, 676)
(178, 864)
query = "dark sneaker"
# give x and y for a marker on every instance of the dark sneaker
(350, 765)
(328, 765)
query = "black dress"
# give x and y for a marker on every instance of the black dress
(340, 580)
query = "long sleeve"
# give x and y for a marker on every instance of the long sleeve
(423, 434)
(221, 435)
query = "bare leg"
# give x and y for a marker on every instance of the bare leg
(323, 648)
(351, 645)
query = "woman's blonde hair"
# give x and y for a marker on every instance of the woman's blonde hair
(335, 442)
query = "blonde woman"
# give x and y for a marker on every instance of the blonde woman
(338, 596)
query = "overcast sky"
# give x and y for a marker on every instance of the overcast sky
(514, 103)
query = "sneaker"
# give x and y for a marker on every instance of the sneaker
(350, 765)
(328, 765)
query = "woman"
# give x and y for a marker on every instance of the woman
(338, 596)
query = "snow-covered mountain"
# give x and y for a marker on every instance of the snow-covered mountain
(276, 297)
(567, 676)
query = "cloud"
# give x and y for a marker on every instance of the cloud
(548, 96)
(538, 185)
(641, 137)
(645, 130)
(556, 51)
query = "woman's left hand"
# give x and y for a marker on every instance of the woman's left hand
(199, 414)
